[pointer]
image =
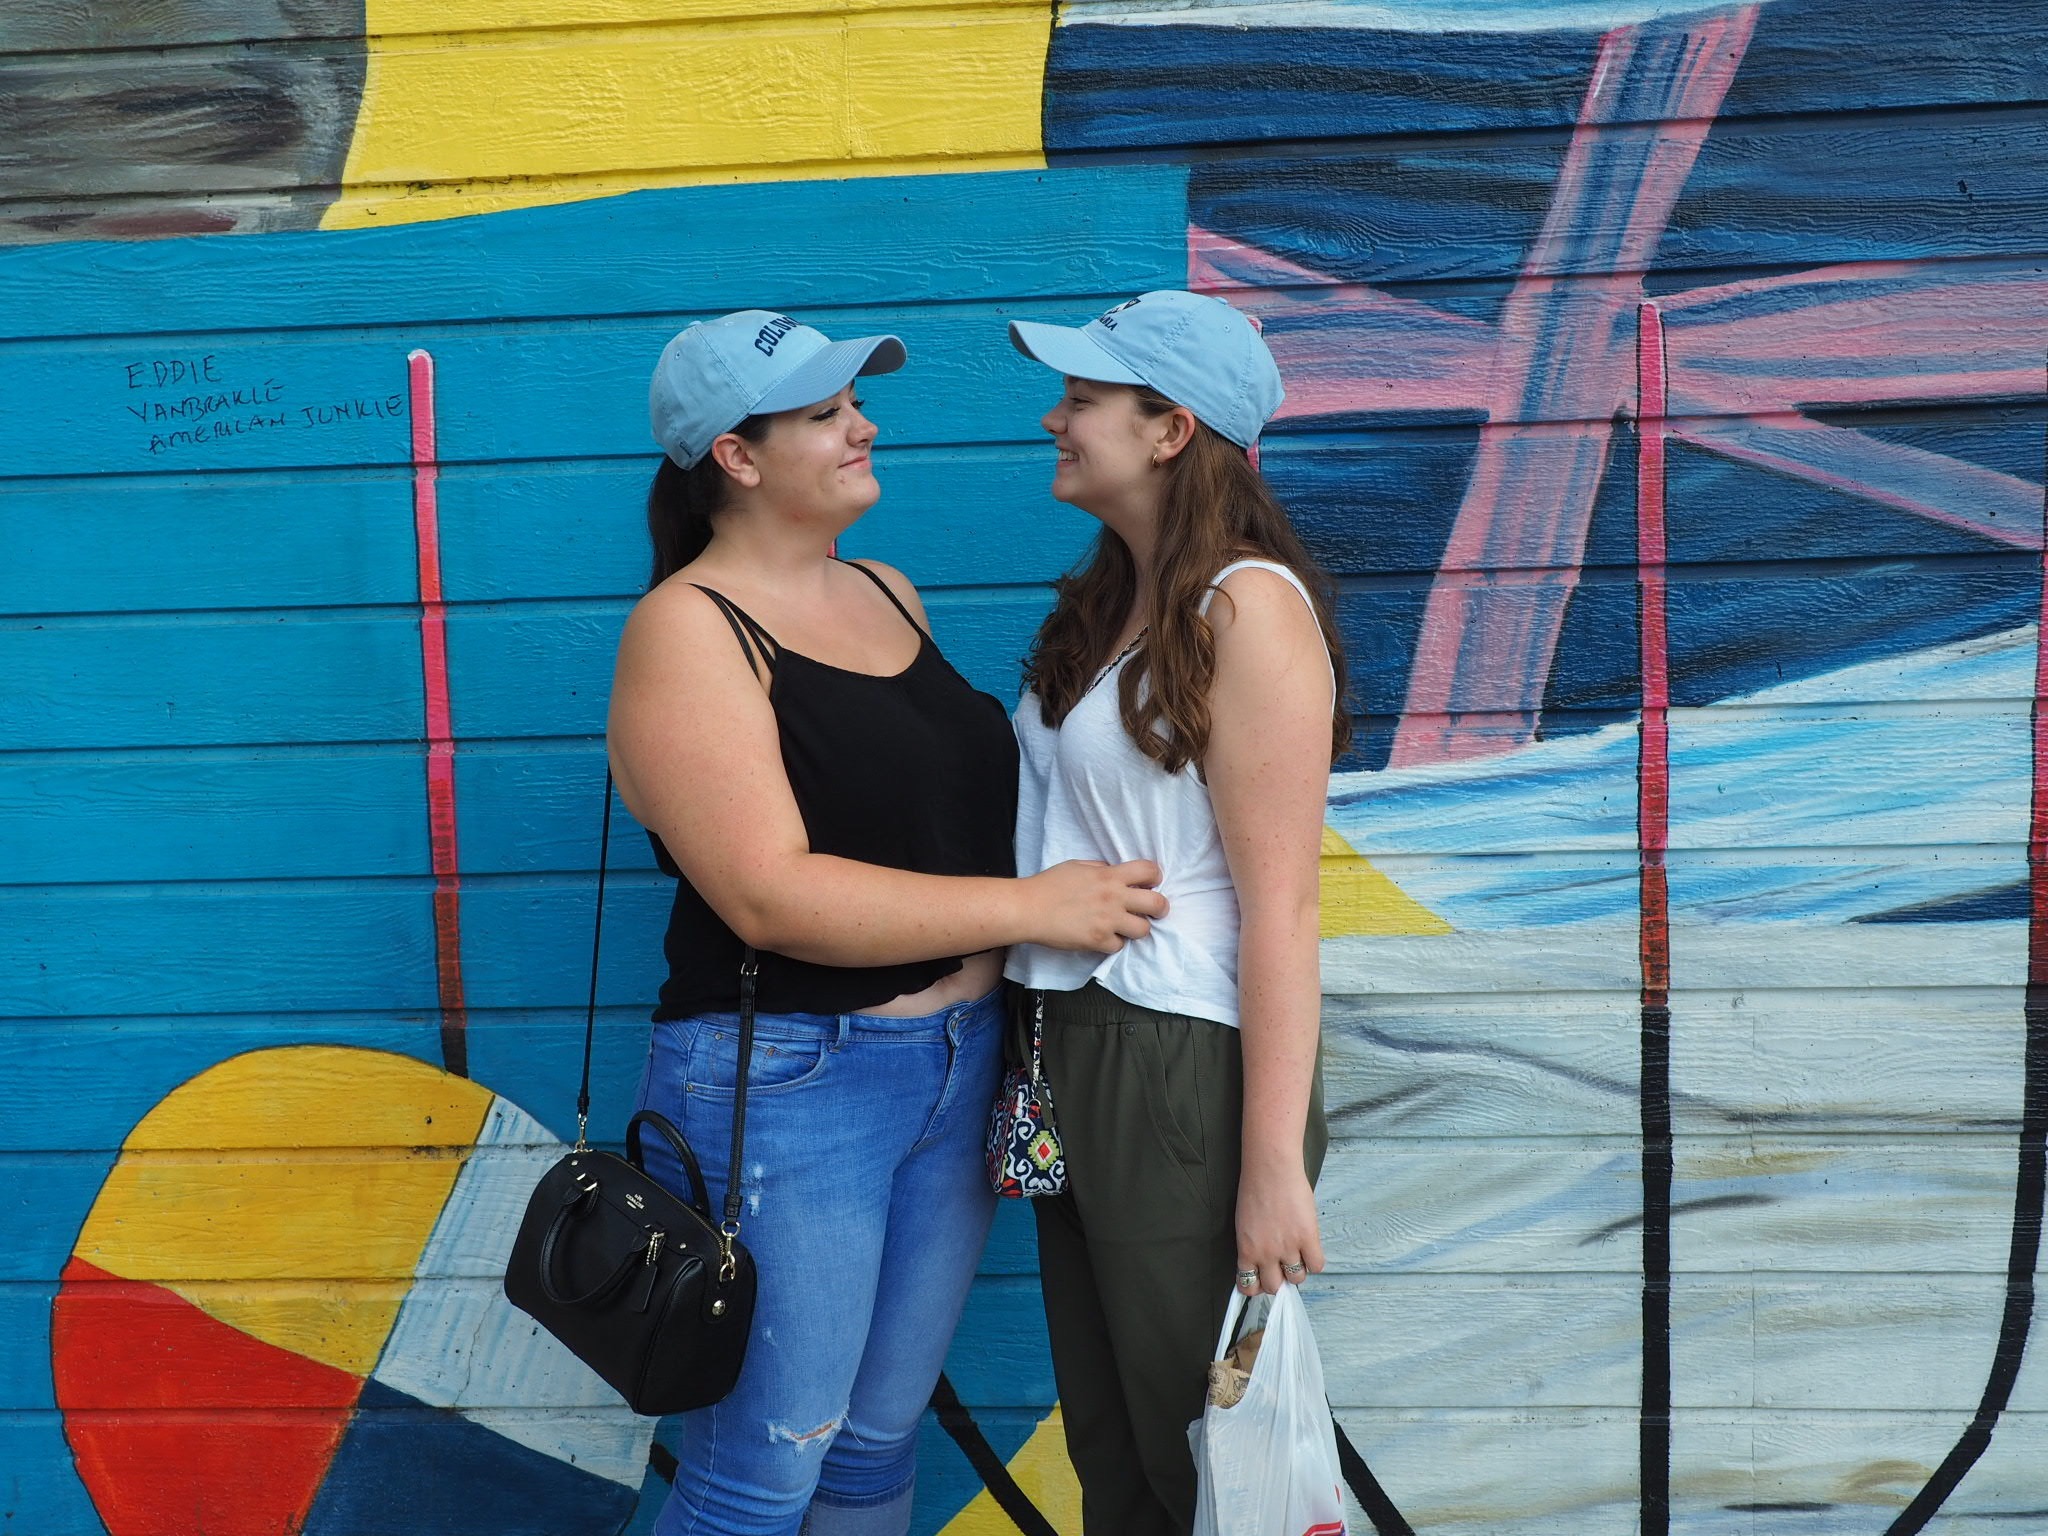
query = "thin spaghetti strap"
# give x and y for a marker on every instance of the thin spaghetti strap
(894, 600)
(751, 636)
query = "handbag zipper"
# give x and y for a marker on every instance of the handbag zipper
(655, 1238)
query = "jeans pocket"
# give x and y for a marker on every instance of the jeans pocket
(782, 1060)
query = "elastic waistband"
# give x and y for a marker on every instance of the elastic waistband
(1095, 1005)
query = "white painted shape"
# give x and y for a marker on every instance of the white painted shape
(458, 1343)
(1564, 1472)
(1563, 1205)
(1379, 15)
(1855, 1059)
(1786, 807)
(1834, 1343)
(1600, 957)
(1479, 1341)
(1862, 1467)
(1753, 1058)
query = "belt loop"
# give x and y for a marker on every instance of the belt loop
(845, 1023)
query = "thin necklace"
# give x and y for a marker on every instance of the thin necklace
(1119, 658)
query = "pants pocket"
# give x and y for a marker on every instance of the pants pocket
(1172, 1086)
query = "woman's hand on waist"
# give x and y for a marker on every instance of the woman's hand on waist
(1086, 904)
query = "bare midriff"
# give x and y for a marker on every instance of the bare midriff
(977, 977)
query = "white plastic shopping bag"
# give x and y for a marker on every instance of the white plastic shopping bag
(1266, 1465)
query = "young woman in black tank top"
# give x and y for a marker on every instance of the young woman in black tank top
(830, 791)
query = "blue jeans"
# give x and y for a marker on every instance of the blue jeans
(866, 1206)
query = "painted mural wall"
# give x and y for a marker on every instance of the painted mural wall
(1668, 389)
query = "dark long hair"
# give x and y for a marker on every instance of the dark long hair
(681, 502)
(1217, 508)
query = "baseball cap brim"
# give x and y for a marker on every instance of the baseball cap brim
(823, 374)
(1069, 352)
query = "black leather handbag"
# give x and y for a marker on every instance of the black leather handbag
(636, 1282)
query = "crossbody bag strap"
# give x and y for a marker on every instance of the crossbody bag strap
(729, 1228)
(604, 848)
(750, 966)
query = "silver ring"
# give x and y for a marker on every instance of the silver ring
(1247, 1277)
(1296, 1268)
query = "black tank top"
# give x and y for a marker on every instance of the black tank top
(917, 771)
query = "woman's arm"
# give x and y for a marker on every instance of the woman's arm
(696, 754)
(1268, 769)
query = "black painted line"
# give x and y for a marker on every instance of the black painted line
(2030, 1184)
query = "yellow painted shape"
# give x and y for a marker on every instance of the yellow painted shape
(263, 1187)
(1358, 899)
(1047, 1478)
(458, 122)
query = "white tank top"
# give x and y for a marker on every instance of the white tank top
(1085, 791)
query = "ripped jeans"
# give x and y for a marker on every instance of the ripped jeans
(866, 1206)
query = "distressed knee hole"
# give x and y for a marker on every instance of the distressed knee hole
(806, 1439)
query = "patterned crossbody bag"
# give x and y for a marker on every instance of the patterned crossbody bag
(1024, 1157)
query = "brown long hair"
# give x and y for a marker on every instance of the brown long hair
(1217, 508)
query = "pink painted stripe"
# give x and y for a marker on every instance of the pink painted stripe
(1653, 802)
(440, 727)
(1564, 354)
(1995, 506)
(1327, 334)
(1849, 338)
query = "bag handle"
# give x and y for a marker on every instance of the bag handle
(578, 1197)
(1232, 1316)
(750, 966)
(681, 1148)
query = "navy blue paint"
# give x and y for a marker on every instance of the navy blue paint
(2005, 903)
(1124, 88)
(1381, 506)
(405, 1469)
(946, 1482)
(1118, 87)
(1459, 210)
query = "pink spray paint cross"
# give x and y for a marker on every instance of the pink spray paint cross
(1745, 360)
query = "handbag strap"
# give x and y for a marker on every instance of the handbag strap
(729, 1229)
(604, 849)
(750, 966)
(1038, 1039)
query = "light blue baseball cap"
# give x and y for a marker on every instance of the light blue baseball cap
(1194, 349)
(715, 374)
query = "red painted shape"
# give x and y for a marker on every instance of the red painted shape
(426, 518)
(178, 1422)
(1653, 795)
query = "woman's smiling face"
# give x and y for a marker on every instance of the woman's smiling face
(1105, 444)
(820, 458)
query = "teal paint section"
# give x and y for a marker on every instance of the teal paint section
(895, 241)
(213, 825)
(509, 391)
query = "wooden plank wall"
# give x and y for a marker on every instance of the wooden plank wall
(250, 1216)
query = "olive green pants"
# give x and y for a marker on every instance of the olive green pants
(1136, 1258)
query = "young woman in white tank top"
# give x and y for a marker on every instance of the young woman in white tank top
(1184, 702)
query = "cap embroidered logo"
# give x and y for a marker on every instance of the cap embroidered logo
(766, 338)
